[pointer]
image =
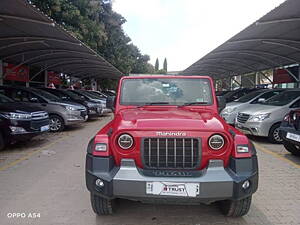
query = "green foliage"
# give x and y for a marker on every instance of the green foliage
(165, 65)
(156, 65)
(96, 24)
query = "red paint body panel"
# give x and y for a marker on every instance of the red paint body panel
(196, 121)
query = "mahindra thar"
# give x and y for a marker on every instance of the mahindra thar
(168, 144)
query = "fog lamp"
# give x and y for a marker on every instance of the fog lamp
(246, 184)
(99, 183)
(17, 130)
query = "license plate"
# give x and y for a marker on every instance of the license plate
(294, 137)
(45, 128)
(173, 189)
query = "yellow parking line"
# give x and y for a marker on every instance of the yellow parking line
(29, 154)
(278, 156)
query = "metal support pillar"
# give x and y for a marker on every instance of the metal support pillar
(94, 84)
(46, 78)
(1, 73)
(298, 84)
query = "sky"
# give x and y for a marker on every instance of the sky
(185, 31)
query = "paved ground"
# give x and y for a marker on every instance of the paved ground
(47, 178)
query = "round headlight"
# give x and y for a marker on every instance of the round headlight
(216, 142)
(125, 141)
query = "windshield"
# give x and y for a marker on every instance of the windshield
(283, 98)
(248, 97)
(71, 94)
(46, 95)
(176, 91)
(4, 99)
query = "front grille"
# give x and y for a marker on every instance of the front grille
(171, 153)
(39, 115)
(37, 124)
(242, 117)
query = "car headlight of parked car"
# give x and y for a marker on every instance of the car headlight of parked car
(229, 110)
(91, 105)
(70, 108)
(17, 116)
(259, 117)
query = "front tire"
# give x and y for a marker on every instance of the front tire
(236, 208)
(56, 123)
(102, 206)
(274, 134)
(294, 149)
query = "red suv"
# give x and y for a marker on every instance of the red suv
(168, 144)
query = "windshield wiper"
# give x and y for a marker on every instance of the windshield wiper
(153, 103)
(194, 103)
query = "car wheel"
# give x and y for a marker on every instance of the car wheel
(2, 142)
(294, 149)
(274, 134)
(236, 208)
(102, 206)
(56, 123)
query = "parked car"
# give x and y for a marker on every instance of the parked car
(232, 108)
(20, 122)
(109, 92)
(167, 144)
(61, 113)
(92, 97)
(94, 108)
(290, 132)
(99, 94)
(236, 94)
(264, 119)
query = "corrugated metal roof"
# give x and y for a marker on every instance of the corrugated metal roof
(30, 37)
(272, 41)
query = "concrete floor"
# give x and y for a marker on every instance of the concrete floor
(45, 179)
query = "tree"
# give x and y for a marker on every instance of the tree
(156, 65)
(96, 24)
(166, 65)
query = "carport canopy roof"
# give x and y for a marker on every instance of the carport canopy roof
(271, 42)
(30, 37)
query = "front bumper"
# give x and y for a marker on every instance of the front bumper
(254, 128)
(74, 117)
(285, 129)
(129, 182)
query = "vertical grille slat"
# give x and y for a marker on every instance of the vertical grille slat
(242, 117)
(171, 153)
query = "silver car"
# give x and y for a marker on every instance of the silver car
(232, 108)
(264, 119)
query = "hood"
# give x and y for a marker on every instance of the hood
(62, 102)
(169, 119)
(256, 109)
(18, 107)
(234, 104)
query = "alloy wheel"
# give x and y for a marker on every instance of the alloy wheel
(276, 135)
(55, 124)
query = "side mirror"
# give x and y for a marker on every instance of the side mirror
(260, 100)
(110, 102)
(221, 103)
(33, 99)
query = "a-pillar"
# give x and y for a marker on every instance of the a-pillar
(46, 78)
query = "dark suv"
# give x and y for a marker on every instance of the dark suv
(19, 122)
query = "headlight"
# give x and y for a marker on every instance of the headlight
(91, 105)
(259, 117)
(216, 142)
(18, 116)
(70, 108)
(229, 110)
(125, 141)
